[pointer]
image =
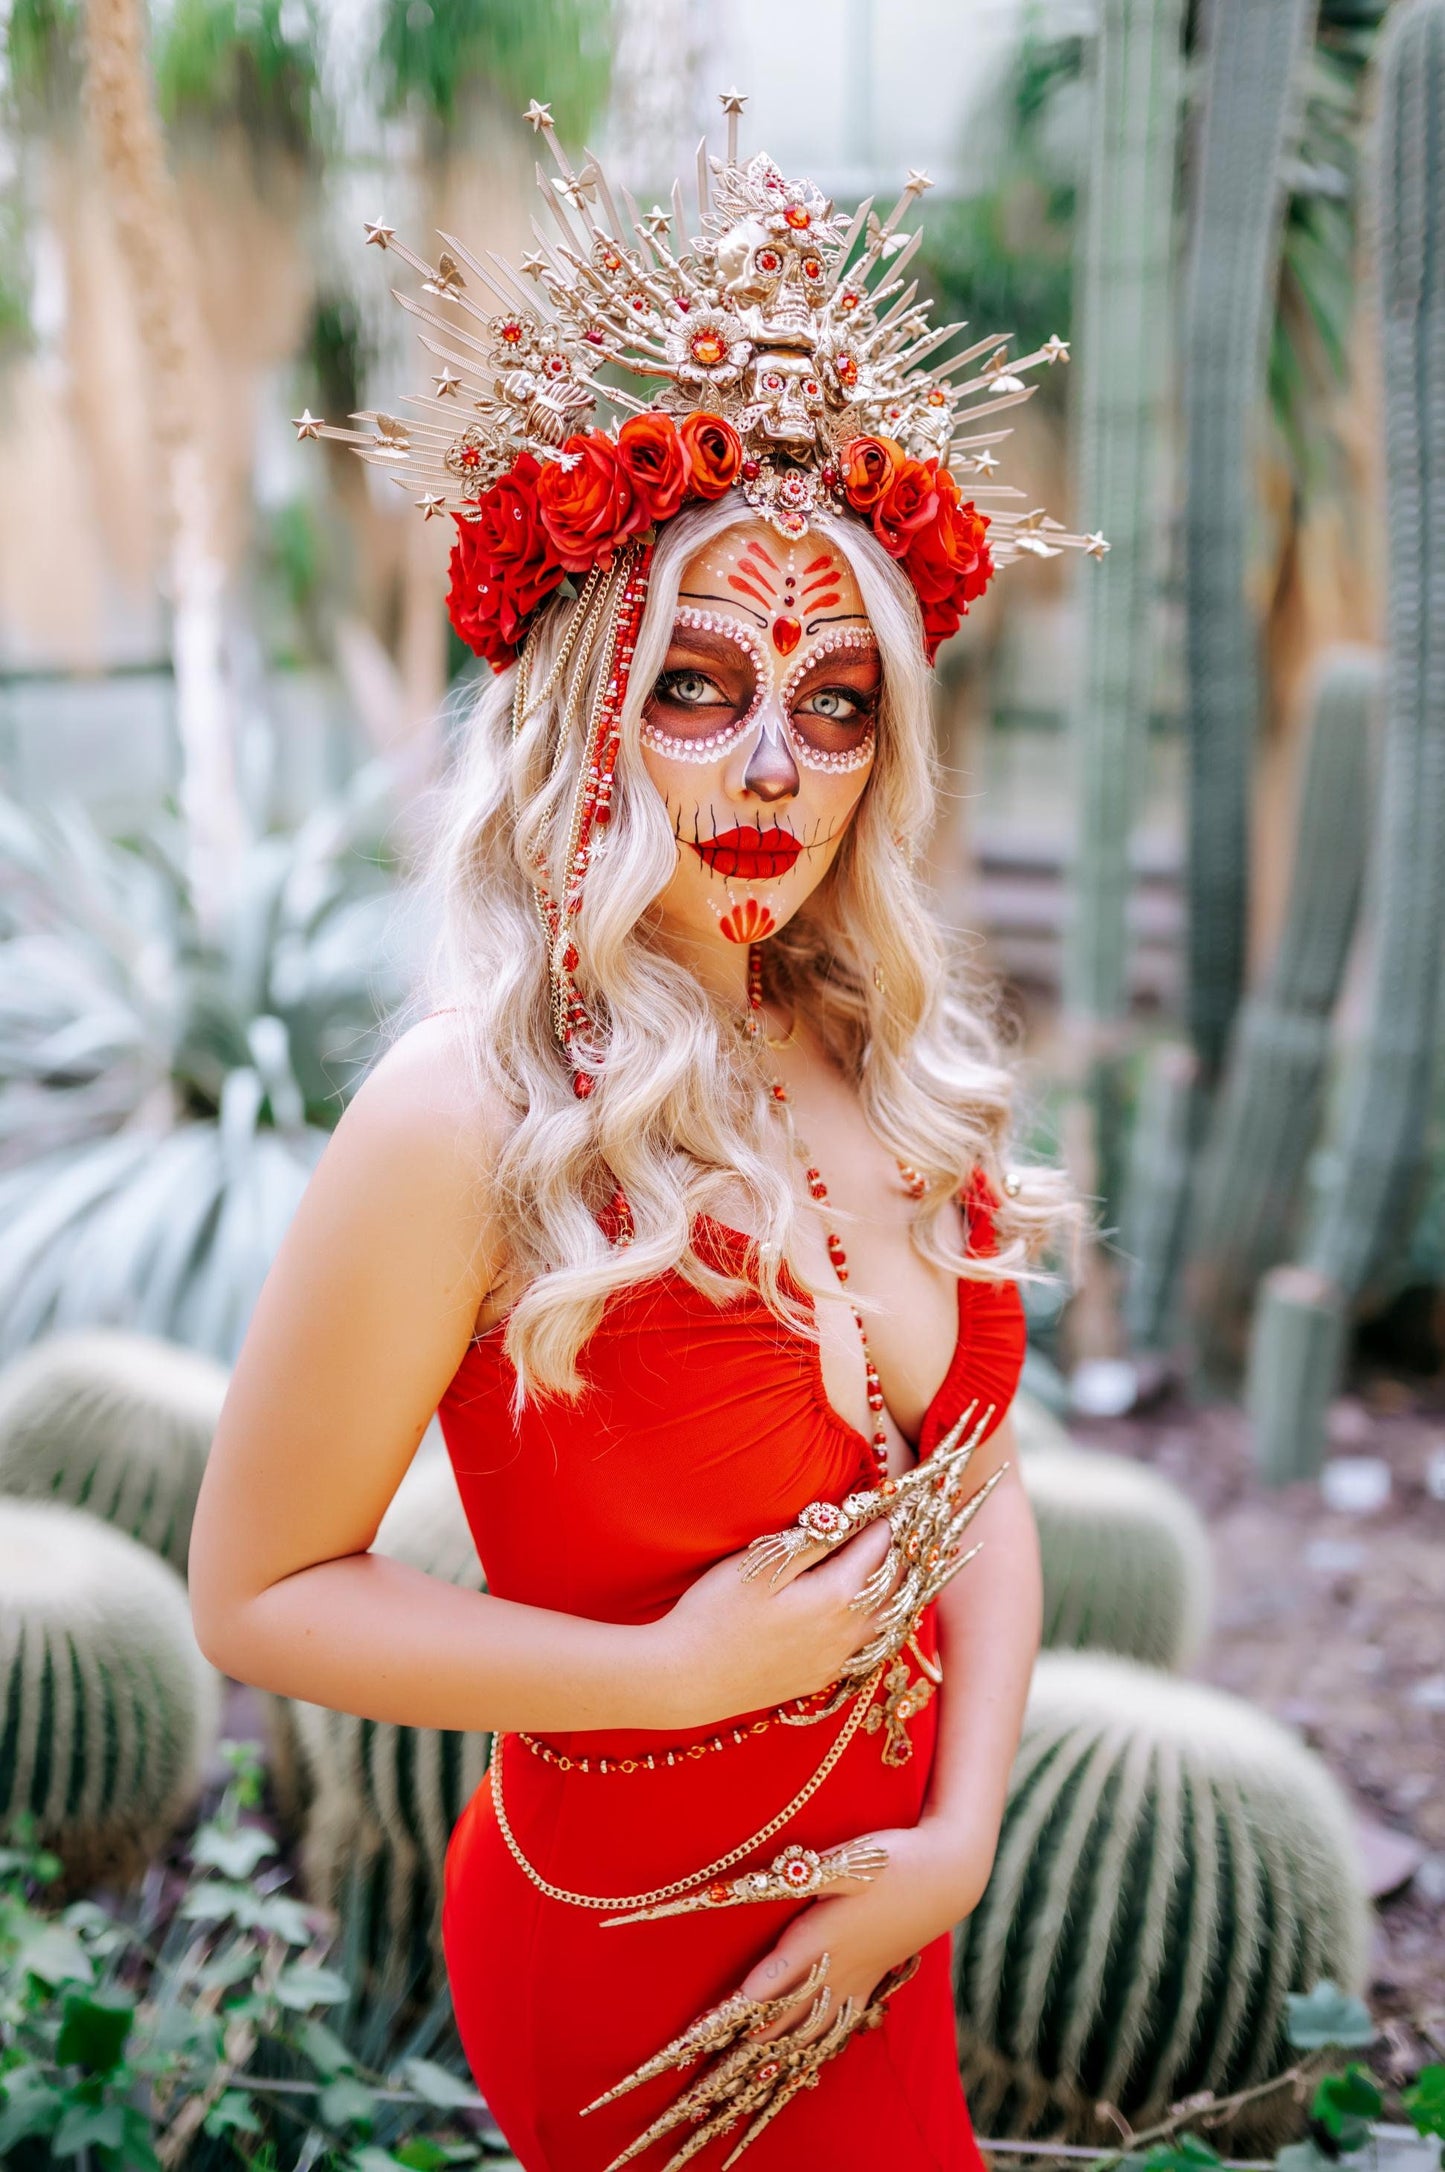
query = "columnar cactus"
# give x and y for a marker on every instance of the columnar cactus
(109, 1708)
(1364, 1227)
(1125, 1557)
(1266, 1119)
(1172, 1863)
(385, 1798)
(117, 1424)
(1252, 71)
(1156, 1195)
(1125, 313)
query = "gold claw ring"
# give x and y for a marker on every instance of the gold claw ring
(796, 1874)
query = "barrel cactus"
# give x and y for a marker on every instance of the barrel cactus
(1125, 1557)
(1252, 81)
(1266, 1119)
(109, 1709)
(1172, 1864)
(385, 1798)
(1035, 1425)
(117, 1424)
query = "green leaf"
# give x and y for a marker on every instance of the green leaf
(232, 1965)
(88, 2126)
(1186, 2153)
(29, 2105)
(237, 1853)
(1345, 2104)
(438, 2084)
(137, 2152)
(325, 2050)
(93, 2028)
(1424, 2101)
(419, 2153)
(300, 1987)
(346, 2103)
(54, 1954)
(371, 2158)
(285, 1919)
(232, 2113)
(1327, 2015)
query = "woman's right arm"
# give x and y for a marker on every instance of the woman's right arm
(363, 1320)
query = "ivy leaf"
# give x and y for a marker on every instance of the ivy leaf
(438, 2084)
(54, 1953)
(371, 2158)
(236, 1853)
(324, 2049)
(93, 2028)
(87, 2126)
(1424, 2101)
(286, 1919)
(232, 2113)
(231, 1966)
(419, 2153)
(29, 2105)
(346, 2102)
(138, 2149)
(300, 1988)
(1187, 2153)
(1328, 2016)
(1345, 2104)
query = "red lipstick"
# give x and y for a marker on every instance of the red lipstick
(750, 855)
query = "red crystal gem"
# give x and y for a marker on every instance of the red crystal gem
(582, 1084)
(752, 469)
(787, 633)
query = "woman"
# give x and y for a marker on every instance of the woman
(687, 1209)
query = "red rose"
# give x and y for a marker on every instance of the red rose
(475, 602)
(951, 553)
(940, 621)
(714, 452)
(869, 466)
(655, 462)
(911, 502)
(511, 541)
(587, 502)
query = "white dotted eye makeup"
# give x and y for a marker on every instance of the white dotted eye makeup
(815, 734)
(706, 743)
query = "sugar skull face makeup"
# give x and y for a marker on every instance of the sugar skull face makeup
(761, 729)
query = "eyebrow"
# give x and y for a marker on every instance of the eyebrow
(709, 644)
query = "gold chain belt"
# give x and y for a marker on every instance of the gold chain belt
(616, 1903)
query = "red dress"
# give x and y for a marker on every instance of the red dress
(700, 1428)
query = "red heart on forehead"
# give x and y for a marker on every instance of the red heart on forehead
(787, 633)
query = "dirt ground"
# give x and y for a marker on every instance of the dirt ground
(1333, 1619)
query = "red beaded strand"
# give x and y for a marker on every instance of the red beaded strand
(818, 1190)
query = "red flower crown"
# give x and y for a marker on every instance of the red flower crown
(539, 523)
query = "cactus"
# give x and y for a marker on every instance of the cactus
(1295, 1363)
(1265, 1121)
(385, 1798)
(1157, 1193)
(119, 1425)
(1252, 69)
(1172, 1863)
(1126, 310)
(108, 1707)
(1363, 1227)
(1125, 1556)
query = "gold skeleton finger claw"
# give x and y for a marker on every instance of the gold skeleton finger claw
(796, 1874)
(752, 2080)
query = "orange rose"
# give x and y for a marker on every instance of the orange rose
(588, 503)
(652, 456)
(869, 466)
(910, 502)
(714, 453)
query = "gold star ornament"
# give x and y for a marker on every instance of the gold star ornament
(539, 115)
(430, 506)
(378, 234)
(306, 424)
(1096, 545)
(731, 101)
(1055, 349)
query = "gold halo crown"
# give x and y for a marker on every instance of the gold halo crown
(795, 327)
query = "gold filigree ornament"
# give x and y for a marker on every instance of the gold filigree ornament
(795, 324)
(796, 1874)
(752, 2079)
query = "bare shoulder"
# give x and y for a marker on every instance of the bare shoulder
(424, 1095)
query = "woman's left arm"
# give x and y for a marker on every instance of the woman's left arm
(989, 1623)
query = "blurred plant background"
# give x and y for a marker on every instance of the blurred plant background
(1194, 820)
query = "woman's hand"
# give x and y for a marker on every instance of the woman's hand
(935, 1876)
(729, 1646)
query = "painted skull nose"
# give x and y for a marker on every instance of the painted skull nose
(771, 774)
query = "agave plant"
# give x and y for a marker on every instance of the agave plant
(164, 1095)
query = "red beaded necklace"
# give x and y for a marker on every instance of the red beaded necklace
(818, 1190)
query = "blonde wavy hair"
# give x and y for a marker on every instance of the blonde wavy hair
(681, 1116)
